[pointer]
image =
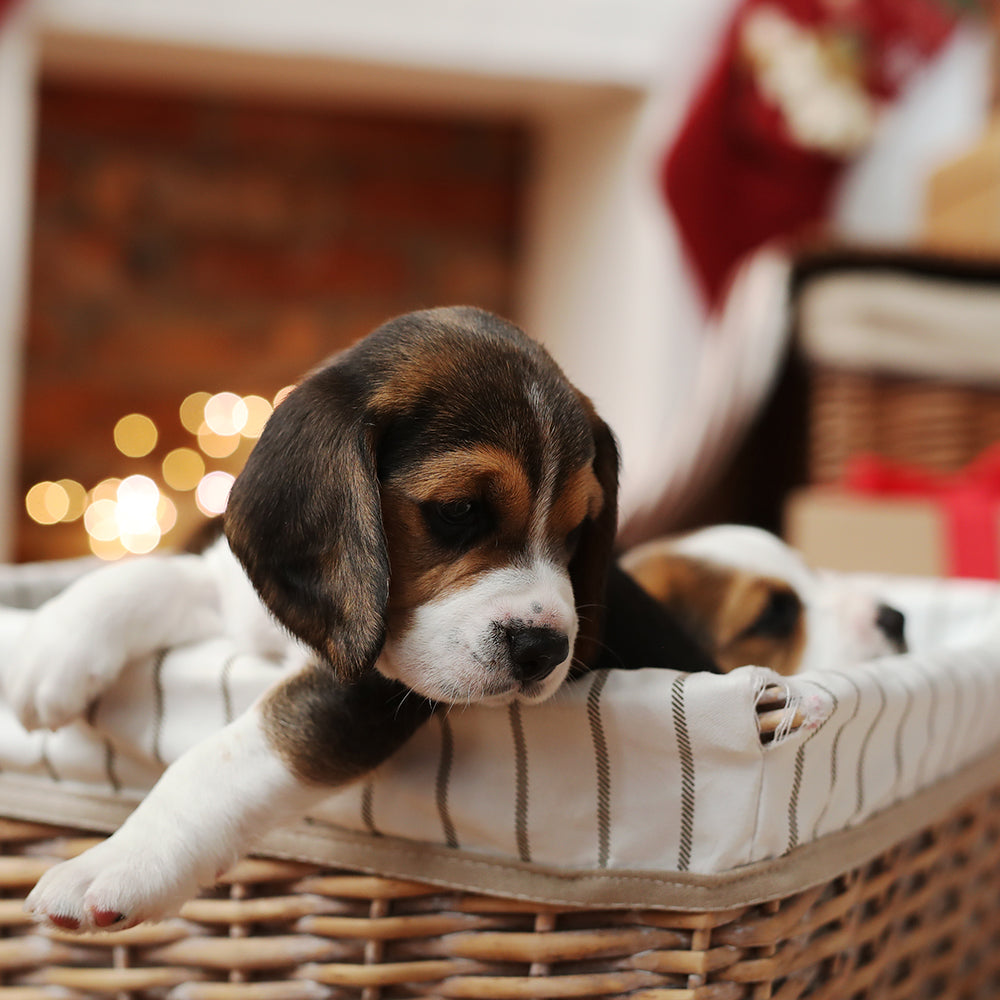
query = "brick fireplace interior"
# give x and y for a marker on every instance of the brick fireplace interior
(187, 244)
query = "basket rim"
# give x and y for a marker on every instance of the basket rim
(805, 867)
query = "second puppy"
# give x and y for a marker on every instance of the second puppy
(745, 597)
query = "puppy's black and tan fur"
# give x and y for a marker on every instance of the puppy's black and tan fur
(432, 453)
(443, 448)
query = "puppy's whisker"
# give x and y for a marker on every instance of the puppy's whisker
(620, 663)
(401, 699)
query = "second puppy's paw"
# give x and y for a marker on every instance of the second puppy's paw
(778, 714)
(56, 672)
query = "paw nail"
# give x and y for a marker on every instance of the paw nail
(105, 918)
(66, 922)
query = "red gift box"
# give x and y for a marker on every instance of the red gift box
(969, 502)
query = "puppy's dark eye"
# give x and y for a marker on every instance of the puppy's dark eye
(456, 512)
(779, 618)
(457, 523)
(573, 539)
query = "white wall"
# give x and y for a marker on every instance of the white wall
(17, 80)
(597, 42)
(602, 274)
(605, 284)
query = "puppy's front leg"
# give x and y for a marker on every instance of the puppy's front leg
(204, 809)
(223, 795)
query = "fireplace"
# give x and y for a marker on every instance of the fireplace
(192, 250)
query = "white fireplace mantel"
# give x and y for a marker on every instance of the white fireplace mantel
(552, 46)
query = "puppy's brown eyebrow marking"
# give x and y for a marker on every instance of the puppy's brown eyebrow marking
(482, 470)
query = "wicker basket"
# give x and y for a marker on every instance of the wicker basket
(921, 920)
(939, 425)
(880, 405)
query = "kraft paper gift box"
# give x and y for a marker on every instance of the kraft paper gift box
(891, 518)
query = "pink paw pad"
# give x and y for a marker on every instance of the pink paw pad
(67, 923)
(107, 918)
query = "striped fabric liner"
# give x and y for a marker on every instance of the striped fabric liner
(651, 770)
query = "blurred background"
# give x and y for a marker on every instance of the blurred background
(763, 235)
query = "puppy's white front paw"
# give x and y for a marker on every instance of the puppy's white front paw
(110, 887)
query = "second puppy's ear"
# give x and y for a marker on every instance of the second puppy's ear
(305, 520)
(692, 590)
(591, 563)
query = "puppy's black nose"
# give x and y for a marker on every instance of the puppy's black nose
(891, 623)
(536, 652)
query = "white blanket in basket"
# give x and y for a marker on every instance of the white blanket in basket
(887, 320)
(651, 777)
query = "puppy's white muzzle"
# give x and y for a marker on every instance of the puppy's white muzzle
(508, 636)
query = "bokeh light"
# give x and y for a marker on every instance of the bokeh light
(109, 549)
(132, 514)
(100, 521)
(282, 394)
(135, 435)
(141, 543)
(192, 411)
(166, 514)
(77, 497)
(128, 515)
(226, 414)
(259, 411)
(107, 489)
(183, 469)
(213, 492)
(138, 497)
(52, 503)
(47, 502)
(217, 445)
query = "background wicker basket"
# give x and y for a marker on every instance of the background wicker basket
(941, 426)
(921, 920)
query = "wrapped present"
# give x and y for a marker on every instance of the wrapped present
(888, 517)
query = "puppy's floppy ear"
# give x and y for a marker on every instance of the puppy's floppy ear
(592, 560)
(304, 518)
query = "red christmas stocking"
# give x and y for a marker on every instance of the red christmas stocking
(793, 93)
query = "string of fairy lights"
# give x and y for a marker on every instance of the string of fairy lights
(133, 514)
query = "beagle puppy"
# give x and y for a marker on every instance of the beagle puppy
(744, 597)
(432, 512)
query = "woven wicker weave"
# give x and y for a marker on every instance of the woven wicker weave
(938, 425)
(922, 920)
